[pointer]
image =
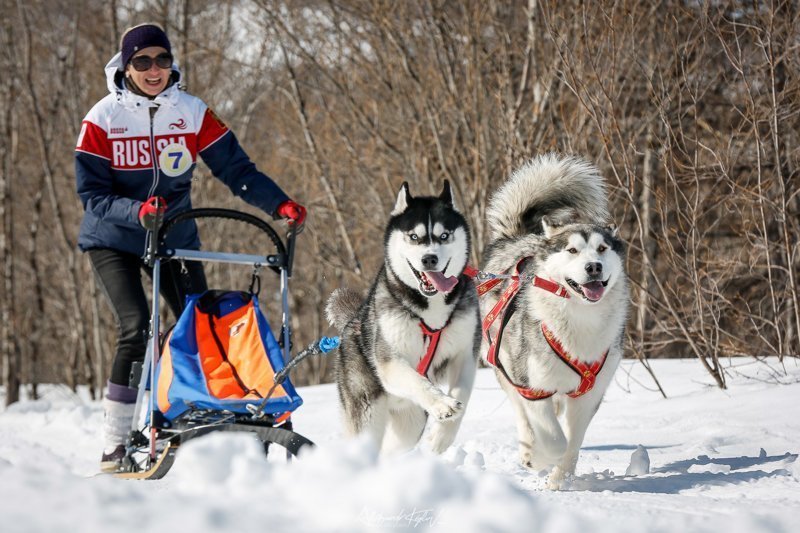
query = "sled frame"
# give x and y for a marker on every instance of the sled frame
(157, 463)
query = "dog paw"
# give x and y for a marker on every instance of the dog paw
(446, 408)
(533, 462)
(442, 436)
(526, 458)
(558, 479)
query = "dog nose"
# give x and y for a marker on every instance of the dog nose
(593, 269)
(429, 261)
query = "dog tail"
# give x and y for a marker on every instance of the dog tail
(563, 188)
(342, 307)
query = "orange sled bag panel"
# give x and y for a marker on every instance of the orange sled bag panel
(221, 355)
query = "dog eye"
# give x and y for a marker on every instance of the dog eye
(572, 250)
(602, 248)
(413, 236)
(444, 236)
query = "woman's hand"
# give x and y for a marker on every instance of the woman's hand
(294, 213)
(151, 212)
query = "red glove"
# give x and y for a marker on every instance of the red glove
(294, 213)
(151, 210)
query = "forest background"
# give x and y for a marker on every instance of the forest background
(691, 110)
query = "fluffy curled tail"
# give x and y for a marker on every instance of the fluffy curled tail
(552, 185)
(342, 307)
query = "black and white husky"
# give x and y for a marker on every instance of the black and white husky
(563, 333)
(409, 350)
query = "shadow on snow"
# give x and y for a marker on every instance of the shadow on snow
(676, 477)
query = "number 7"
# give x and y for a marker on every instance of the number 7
(177, 156)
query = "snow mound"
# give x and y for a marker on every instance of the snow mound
(640, 462)
(346, 487)
(718, 461)
(711, 468)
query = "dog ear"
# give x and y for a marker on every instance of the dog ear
(548, 227)
(446, 195)
(613, 229)
(403, 198)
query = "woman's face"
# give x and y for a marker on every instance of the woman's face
(153, 80)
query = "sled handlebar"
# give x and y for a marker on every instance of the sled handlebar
(239, 216)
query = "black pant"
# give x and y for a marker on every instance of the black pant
(119, 276)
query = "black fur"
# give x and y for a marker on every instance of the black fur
(356, 374)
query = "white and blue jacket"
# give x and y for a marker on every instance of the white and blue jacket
(125, 154)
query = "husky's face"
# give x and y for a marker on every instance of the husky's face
(427, 242)
(585, 258)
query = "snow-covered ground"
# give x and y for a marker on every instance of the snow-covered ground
(718, 461)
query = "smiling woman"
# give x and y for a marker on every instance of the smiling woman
(149, 71)
(135, 157)
(147, 56)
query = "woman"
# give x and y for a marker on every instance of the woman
(134, 160)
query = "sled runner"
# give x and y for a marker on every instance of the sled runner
(219, 368)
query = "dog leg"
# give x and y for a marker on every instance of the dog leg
(549, 440)
(375, 420)
(399, 379)
(524, 434)
(577, 416)
(524, 428)
(404, 429)
(366, 415)
(461, 377)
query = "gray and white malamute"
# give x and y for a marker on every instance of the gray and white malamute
(562, 340)
(409, 350)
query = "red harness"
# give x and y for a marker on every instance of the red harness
(587, 373)
(432, 334)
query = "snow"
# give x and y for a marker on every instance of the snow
(640, 462)
(704, 459)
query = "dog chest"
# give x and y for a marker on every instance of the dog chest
(404, 337)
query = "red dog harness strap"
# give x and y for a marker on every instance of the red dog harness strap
(500, 309)
(587, 373)
(504, 309)
(502, 305)
(486, 286)
(427, 359)
(550, 286)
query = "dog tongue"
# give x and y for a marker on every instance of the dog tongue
(593, 290)
(441, 282)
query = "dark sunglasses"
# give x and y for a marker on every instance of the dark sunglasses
(143, 63)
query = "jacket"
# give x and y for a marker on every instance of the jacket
(131, 147)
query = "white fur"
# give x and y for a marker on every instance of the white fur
(551, 431)
(396, 421)
(410, 395)
(402, 250)
(563, 265)
(542, 178)
(402, 200)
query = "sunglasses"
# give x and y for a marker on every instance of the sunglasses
(143, 63)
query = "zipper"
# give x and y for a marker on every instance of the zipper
(152, 112)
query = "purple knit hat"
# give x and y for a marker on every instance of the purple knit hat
(140, 37)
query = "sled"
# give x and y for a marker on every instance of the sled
(219, 368)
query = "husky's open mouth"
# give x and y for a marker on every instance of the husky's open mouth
(431, 282)
(591, 291)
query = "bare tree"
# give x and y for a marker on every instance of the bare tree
(690, 110)
(10, 355)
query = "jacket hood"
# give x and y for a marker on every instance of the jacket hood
(129, 99)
